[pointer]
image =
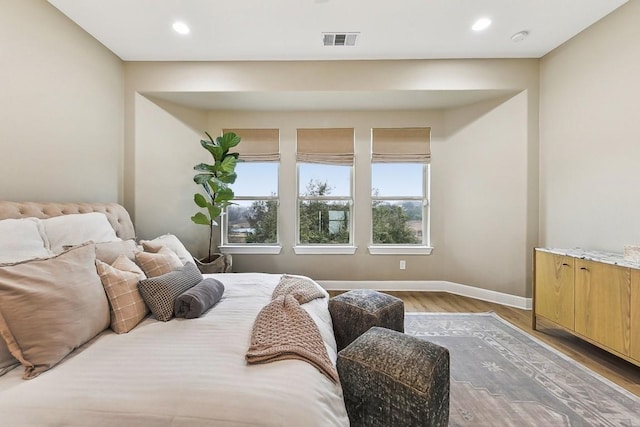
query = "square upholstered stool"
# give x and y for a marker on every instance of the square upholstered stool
(354, 312)
(392, 379)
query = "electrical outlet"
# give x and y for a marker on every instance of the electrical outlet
(403, 264)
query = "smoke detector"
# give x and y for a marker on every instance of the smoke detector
(339, 39)
(519, 36)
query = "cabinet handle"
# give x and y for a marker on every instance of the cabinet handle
(584, 268)
(565, 264)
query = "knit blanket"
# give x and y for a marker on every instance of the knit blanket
(284, 330)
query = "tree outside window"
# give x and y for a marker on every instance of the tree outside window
(323, 220)
(253, 221)
(325, 166)
(253, 218)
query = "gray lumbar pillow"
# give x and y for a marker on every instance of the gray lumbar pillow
(160, 292)
(197, 300)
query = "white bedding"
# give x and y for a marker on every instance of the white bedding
(182, 373)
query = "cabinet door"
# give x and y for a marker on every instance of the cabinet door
(603, 296)
(635, 314)
(554, 288)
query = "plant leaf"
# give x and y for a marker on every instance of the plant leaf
(200, 200)
(216, 184)
(224, 195)
(216, 151)
(200, 218)
(228, 140)
(204, 167)
(214, 212)
(202, 178)
(229, 178)
(228, 165)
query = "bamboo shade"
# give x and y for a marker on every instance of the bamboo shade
(401, 145)
(331, 146)
(257, 145)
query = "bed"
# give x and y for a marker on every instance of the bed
(180, 372)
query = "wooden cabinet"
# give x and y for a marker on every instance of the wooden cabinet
(635, 314)
(602, 302)
(595, 299)
(554, 294)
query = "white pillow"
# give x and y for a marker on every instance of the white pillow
(77, 229)
(22, 239)
(171, 242)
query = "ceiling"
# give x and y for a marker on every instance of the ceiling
(330, 100)
(228, 30)
(260, 30)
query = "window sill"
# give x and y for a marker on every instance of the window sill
(324, 250)
(400, 250)
(251, 249)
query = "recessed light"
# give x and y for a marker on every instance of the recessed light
(181, 28)
(481, 24)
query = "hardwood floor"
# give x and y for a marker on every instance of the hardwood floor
(611, 367)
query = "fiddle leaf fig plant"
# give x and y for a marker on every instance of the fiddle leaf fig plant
(215, 180)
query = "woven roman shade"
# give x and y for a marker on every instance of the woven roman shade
(258, 145)
(400, 145)
(332, 146)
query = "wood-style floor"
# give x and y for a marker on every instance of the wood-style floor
(611, 367)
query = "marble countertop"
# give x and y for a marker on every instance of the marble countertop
(613, 258)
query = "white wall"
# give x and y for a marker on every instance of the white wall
(61, 109)
(168, 147)
(484, 191)
(484, 162)
(590, 137)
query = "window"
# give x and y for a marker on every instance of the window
(399, 190)
(252, 220)
(325, 163)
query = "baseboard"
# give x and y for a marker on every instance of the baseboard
(431, 286)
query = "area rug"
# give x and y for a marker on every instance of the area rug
(502, 376)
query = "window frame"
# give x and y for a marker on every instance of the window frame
(252, 248)
(326, 248)
(423, 248)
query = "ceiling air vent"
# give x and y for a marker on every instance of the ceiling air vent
(339, 39)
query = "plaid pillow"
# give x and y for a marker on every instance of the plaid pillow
(126, 303)
(158, 263)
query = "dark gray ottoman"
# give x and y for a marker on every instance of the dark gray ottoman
(392, 379)
(354, 312)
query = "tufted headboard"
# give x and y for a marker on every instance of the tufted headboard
(116, 214)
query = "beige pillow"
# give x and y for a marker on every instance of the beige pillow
(51, 306)
(108, 251)
(126, 303)
(7, 361)
(125, 264)
(171, 242)
(159, 263)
